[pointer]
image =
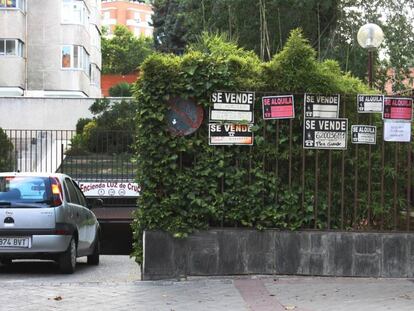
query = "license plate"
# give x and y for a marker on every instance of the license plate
(15, 242)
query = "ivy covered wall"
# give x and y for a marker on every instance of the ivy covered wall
(186, 184)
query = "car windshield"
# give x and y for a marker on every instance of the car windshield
(20, 190)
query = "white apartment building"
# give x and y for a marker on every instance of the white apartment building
(50, 48)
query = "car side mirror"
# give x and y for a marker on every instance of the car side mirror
(96, 203)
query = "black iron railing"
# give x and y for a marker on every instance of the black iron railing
(102, 155)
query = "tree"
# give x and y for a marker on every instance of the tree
(110, 130)
(394, 18)
(124, 53)
(262, 26)
(170, 27)
(114, 115)
(6, 148)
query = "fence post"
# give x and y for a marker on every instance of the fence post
(61, 158)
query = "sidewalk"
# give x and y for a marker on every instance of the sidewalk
(115, 285)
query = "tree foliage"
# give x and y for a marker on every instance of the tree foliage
(109, 131)
(122, 89)
(186, 184)
(395, 18)
(6, 154)
(257, 25)
(123, 53)
(263, 26)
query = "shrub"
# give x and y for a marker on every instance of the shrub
(122, 89)
(81, 124)
(6, 152)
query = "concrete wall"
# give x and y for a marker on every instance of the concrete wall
(15, 67)
(230, 252)
(12, 24)
(43, 113)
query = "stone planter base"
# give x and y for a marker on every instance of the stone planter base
(245, 251)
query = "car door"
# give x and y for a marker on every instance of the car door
(78, 215)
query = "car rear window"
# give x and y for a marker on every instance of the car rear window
(24, 189)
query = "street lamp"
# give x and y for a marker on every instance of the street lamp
(370, 37)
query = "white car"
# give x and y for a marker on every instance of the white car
(45, 216)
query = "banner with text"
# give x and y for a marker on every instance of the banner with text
(109, 189)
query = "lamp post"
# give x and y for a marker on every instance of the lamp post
(370, 36)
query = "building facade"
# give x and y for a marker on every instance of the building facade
(50, 48)
(135, 15)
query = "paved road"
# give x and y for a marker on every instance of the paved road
(115, 285)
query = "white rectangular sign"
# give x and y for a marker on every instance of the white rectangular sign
(397, 131)
(226, 115)
(232, 106)
(109, 189)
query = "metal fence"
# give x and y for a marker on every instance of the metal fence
(363, 188)
(102, 155)
(366, 187)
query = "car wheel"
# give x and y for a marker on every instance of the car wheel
(93, 259)
(67, 260)
(5, 261)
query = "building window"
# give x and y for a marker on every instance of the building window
(11, 47)
(95, 75)
(74, 12)
(75, 57)
(17, 4)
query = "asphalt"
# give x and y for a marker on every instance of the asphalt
(115, 285)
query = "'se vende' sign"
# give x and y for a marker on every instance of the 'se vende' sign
(232, 106)
(325, 134)
(321, 106)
